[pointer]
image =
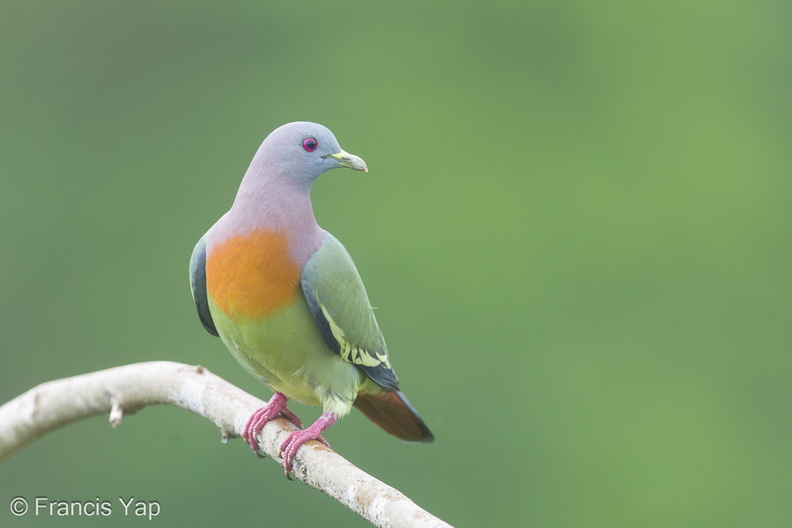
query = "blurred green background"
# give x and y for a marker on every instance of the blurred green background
(576, 228)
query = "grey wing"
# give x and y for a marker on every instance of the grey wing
(198, 286)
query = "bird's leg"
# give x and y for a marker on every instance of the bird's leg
(297, 438)
(274, 407)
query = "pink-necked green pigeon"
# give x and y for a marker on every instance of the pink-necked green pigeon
(286, 299)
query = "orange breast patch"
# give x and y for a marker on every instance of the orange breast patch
(253, 274)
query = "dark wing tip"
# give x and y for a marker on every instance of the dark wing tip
(382, 375)
(207, 321)
(198, 287)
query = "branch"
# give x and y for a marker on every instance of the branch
(124, 390)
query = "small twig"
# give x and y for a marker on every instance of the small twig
(116, 414)
(123, 390)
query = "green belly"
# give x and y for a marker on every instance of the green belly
(287, 353)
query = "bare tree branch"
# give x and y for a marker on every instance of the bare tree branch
(123, 390)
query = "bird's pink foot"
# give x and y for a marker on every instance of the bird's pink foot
(289, 447)
(276, 406)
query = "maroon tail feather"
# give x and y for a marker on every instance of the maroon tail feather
(393, 412)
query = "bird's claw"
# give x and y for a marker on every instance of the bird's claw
(276, 406)
(288, 449)
(295, 439)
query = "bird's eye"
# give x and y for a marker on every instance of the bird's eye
(310, 144)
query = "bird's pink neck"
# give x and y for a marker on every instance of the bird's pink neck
(262, 210)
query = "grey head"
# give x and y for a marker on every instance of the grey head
(301, 151)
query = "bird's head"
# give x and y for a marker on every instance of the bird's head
(302, 151)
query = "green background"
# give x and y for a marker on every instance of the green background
(576, 228)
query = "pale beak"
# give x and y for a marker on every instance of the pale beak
(345, 159)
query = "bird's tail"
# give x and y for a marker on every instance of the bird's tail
(393, 412)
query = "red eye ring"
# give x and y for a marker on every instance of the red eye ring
(310, 144)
